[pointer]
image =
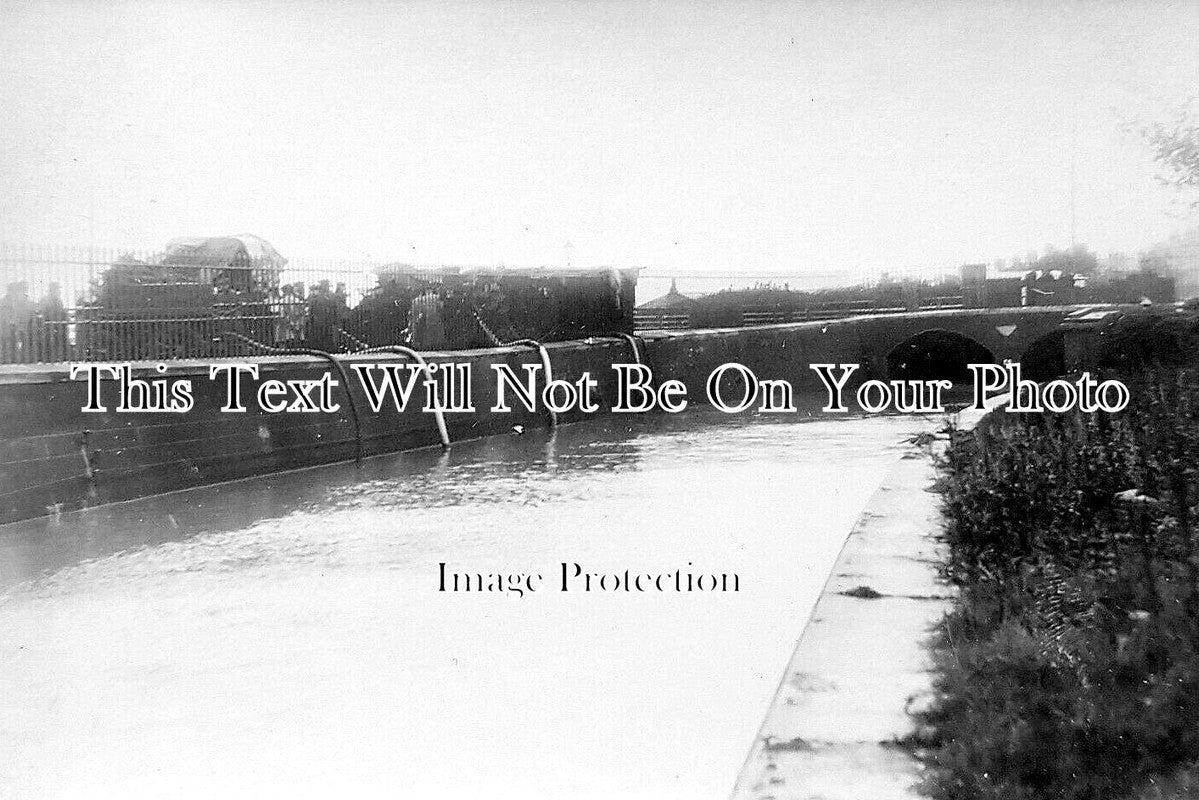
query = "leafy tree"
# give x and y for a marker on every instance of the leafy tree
(1175, 147)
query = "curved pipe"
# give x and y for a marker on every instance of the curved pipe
(632, 340)
(545, 362)
(401, 350)
(312, 351)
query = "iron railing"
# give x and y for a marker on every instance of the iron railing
(89, 304)
(71, 305)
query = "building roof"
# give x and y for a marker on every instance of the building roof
(674, 299)
(243, 249)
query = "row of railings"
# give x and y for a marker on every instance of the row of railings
(76, 304)
(96, 333)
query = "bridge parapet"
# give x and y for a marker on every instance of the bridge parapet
(786, 350)
(1005, 333)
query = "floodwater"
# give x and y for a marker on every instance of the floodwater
(285, 636)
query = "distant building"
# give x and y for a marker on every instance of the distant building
(1052, 287)
(1178, 258)
(238, 263)
(673, 302)
(983, 288)
(1117, 265)
(672, 310)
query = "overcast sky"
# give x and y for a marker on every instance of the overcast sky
(739, 136)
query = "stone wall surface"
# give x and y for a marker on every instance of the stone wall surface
(54, 457)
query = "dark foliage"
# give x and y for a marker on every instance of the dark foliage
(1069, 667)
(1155, 339)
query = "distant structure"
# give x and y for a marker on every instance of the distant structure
(1036, 286)
(673, 302)
(1178, 258)
(180, 302)
(192, 271)
(1117, 265)
(234, 263)
(983, 287)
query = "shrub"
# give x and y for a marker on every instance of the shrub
(1069, 667)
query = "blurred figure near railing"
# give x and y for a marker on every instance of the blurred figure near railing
(291, 315)
(426, 321)
(50, 325)
(16, 319)
(50, 307)
(327, 313)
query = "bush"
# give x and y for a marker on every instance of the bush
(1069, 667)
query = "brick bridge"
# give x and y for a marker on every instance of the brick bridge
(918, 344)
(1033, 336)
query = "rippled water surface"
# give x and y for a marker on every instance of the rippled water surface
(285, 636)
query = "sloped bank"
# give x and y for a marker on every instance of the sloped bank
(861, 664)
(1068, 667)
(1066, 664)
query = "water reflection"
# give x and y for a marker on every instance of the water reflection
(524, 469)
(285, 635)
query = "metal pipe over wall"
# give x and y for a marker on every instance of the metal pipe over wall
(545, 363)
(399, 349)
(312, 351)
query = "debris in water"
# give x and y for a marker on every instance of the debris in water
(796, 745)
(863, 592)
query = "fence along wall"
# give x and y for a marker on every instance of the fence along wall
(64, 304)
(85, 304)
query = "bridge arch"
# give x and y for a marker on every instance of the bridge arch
(936, 353)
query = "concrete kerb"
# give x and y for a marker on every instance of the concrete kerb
(861, 664)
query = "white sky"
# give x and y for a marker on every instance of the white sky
(736, 136)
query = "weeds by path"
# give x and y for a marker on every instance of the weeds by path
(1069, 667)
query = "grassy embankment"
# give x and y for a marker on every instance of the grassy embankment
(1069, 666)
